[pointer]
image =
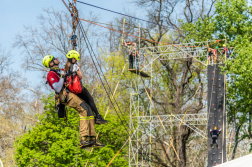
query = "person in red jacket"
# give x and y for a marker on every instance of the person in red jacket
(55, 79)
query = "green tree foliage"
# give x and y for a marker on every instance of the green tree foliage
(53, 141)
(234, 22)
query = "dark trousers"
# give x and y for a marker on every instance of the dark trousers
(87, 121)
(130, 63)
(214, 140)
(85, 95)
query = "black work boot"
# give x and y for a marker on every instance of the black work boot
(100, 120)
(96, 143)
(85, 143)
(92, 141)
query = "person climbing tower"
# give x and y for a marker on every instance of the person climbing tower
(55, 79)
(72, 67)
(214, 134)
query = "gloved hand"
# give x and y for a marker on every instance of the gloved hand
(62, 74)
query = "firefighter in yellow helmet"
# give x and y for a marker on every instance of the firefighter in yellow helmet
(71, 67)
(214, 134)
(55, 79)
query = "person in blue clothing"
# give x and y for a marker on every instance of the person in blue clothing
(214, 134)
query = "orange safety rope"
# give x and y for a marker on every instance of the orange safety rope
(120, 149)
(217, 41)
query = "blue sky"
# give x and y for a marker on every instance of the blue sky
(16, 14)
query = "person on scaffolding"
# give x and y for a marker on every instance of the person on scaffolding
(131, 59)
(72, 58)
(137, 59)
(214, 134)
(55, 79)
(210, 55)
(216, 53)
(225, 51)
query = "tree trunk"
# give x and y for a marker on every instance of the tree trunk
(236, 141)
(183, 137)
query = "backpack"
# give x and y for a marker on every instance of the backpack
(73, 81)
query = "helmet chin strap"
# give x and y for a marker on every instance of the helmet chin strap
(54, 63)
(70, 60)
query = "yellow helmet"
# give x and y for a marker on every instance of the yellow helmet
(73, 54)
(215, 128)
(46, 60)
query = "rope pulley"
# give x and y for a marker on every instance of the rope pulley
(73, 40)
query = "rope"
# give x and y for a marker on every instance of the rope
(138, 18)
(76, 163)
(130, 25)
(118, 151)
(67, 7)
(123, 14)
(167, 133)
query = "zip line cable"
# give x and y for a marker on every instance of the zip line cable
(138, 18)
(141, 37)
(122, 14)
(130, 25)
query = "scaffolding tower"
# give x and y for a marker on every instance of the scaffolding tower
(144, 119)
